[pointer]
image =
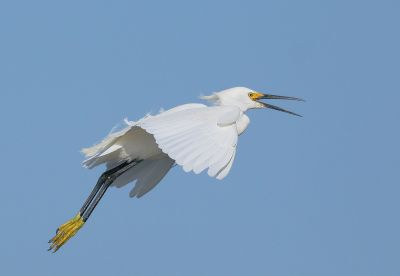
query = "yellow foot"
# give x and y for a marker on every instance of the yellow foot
(65, 232)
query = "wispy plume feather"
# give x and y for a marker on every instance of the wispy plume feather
(211, 98)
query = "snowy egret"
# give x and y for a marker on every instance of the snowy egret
(195, 136)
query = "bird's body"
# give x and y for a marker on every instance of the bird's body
(195, 136)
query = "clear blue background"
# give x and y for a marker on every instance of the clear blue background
(317, 195)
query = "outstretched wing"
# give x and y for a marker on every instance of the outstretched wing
(194, 136)
(127, 142)
(146, 175)
(133, 142)
(197, 139)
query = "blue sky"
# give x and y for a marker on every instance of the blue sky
(317, 195)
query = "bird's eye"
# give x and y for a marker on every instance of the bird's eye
(251, 95)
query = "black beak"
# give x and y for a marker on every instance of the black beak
(275, 97)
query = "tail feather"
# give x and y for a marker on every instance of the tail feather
(104, 144)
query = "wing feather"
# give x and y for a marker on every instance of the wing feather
(224, 172)
(146, 175)
(194, 136)
(197, 139)
(216, 167)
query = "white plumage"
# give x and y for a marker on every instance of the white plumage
(197, 137)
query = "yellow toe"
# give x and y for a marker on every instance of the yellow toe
(65, 232)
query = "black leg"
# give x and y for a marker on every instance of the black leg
(104, 182)
(93, 193)
(93, 204)
(71, 227)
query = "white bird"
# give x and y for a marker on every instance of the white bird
(195, 136)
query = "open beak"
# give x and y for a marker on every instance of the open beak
(275, 97)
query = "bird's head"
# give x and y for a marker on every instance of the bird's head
(246, 98)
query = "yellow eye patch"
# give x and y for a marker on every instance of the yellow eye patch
(255, 95)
